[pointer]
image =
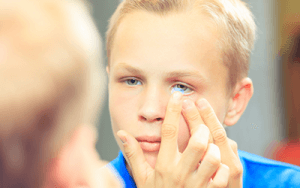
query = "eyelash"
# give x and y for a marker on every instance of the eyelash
(126, 81)
(184, 86)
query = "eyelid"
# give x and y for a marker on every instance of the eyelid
(186, 85)
(123, 79)
(126, 78)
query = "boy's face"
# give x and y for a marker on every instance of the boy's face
(153, 54)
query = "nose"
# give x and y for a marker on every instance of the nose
(153, 106)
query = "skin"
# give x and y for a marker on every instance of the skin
(174, 169)
(140, 83)
(78, 164)
(157, 53)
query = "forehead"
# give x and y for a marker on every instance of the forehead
(182, 40)
(183, 31)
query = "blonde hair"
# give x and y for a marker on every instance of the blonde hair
(232, 16)
(50, 82)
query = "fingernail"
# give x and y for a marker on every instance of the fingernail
(201, 104)
(177, 95)
(122, 136)
(187, 104)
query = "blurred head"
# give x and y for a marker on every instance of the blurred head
(201, 47)
(51, 80)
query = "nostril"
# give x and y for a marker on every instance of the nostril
(158, 119)
(142, 118)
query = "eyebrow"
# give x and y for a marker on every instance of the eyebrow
(170, 75)
(129, 68)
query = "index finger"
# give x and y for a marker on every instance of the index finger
(228, 156)
(211, 121)
(169, 129)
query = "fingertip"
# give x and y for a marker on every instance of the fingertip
(122, 135)
(177, 96)
(187, 104)
(202, 104)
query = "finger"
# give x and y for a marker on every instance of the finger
(135, 157)
(191, 115)
(195, 150)
(228, 156)
(169, 131)
(211, 121)
(221, 178)
(208, 166)
(233, 146)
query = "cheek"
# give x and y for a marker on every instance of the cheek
(220, 110)
(122, 108)
(183, 135)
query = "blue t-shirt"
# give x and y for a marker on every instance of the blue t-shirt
(258, 172)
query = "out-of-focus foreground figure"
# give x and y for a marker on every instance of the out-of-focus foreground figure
(50, 84)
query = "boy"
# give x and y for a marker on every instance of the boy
(202, 49)
(51, 85)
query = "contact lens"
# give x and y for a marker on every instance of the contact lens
(177, 89)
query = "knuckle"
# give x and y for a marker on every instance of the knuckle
(193, 117)
(178, 179)
(219, 135)
(213, 155)
(214, 160)
(160, 169)
(130, 154)
(163, 170)
(197, 146)
(221, 183)
(203, 128)
(233, 145)
(236, 171)
(174, 109)
(208, 114)
(168, 131)
(201, 131)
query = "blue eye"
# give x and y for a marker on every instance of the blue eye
(133, 82)
(182, 88)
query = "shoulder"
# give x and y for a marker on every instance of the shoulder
(260, 171)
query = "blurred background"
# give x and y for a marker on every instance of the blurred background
(270, 126)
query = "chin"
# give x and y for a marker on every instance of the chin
(151, 158)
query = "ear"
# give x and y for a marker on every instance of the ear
(239, 101)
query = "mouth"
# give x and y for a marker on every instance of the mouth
(149, 143)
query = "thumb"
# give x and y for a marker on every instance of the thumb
(134, 154)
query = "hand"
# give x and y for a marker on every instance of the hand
(228, 148)
(172, 168)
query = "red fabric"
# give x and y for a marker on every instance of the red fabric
(287, 151)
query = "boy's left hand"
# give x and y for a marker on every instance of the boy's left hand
(228, 148)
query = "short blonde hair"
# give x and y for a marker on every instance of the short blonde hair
(232, 16)
(50, 79)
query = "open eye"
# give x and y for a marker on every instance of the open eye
(132, 82)
(182, 88)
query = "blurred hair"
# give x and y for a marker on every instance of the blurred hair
(50, 53)
(232, 17)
